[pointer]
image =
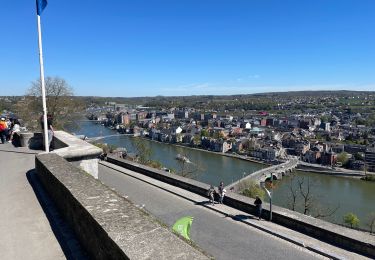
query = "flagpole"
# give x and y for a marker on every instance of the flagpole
(45, 125)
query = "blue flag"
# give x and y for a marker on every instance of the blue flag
(40, 5)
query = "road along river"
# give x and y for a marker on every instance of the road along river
(328, 192)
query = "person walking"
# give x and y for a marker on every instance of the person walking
(211, 195)
(222, 192)
(258, 203)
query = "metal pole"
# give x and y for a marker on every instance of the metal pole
(271, 197)
(45, 126)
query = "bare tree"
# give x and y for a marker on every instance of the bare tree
(305, 191)
(325, 212)
(293, 193)
(187, 168)
(303, 188)
(60, 103)
(58, 93)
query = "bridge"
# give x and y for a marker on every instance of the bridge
(277, 172)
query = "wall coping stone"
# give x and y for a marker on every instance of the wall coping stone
(75, 147)
(107, 225)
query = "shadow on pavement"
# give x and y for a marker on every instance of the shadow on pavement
(202, 203)
(242, 217)
(62, 231)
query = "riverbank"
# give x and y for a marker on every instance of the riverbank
(333, 173)
(320, 169)
(236, 156)
(302, 167)
(306, 168)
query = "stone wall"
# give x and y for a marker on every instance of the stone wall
(350, 239)
(107, 225)
(72, 148)
(77, 151)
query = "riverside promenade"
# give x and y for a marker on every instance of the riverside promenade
(30, 227)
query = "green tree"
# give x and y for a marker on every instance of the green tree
(359, 156)
(325, 118)
(318, 136)
(343, 158)
(197, 140)
(155, 164)
(351, 220)
(217, 135)
(142, 150)
(251, 189)
(205, 133)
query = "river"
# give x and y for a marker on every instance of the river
(329, 192)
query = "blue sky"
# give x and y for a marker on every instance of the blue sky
(190, 47)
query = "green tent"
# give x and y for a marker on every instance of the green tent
(182, 226)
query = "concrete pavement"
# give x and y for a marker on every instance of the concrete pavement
(25, 230)
(223, 232)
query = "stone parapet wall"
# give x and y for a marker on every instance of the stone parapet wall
(77, 151)
(349, 239)
(70, 147)
(107, 225)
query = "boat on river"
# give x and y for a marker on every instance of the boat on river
(182, 158)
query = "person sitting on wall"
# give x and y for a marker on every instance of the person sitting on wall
(15, 131)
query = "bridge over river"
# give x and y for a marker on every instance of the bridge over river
(277, 172)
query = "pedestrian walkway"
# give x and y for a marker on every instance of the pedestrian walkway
(292, 236)
(25, 230)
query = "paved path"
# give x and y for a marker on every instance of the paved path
(221, 232)
(30, 225)
(25, 232)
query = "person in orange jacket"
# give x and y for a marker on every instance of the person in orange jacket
(3, 129)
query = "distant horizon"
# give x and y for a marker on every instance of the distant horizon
(191, 47)
(248, 94)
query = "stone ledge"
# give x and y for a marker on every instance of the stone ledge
(77, 151)
(346, 238)
(107, 225)
(71, 147)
